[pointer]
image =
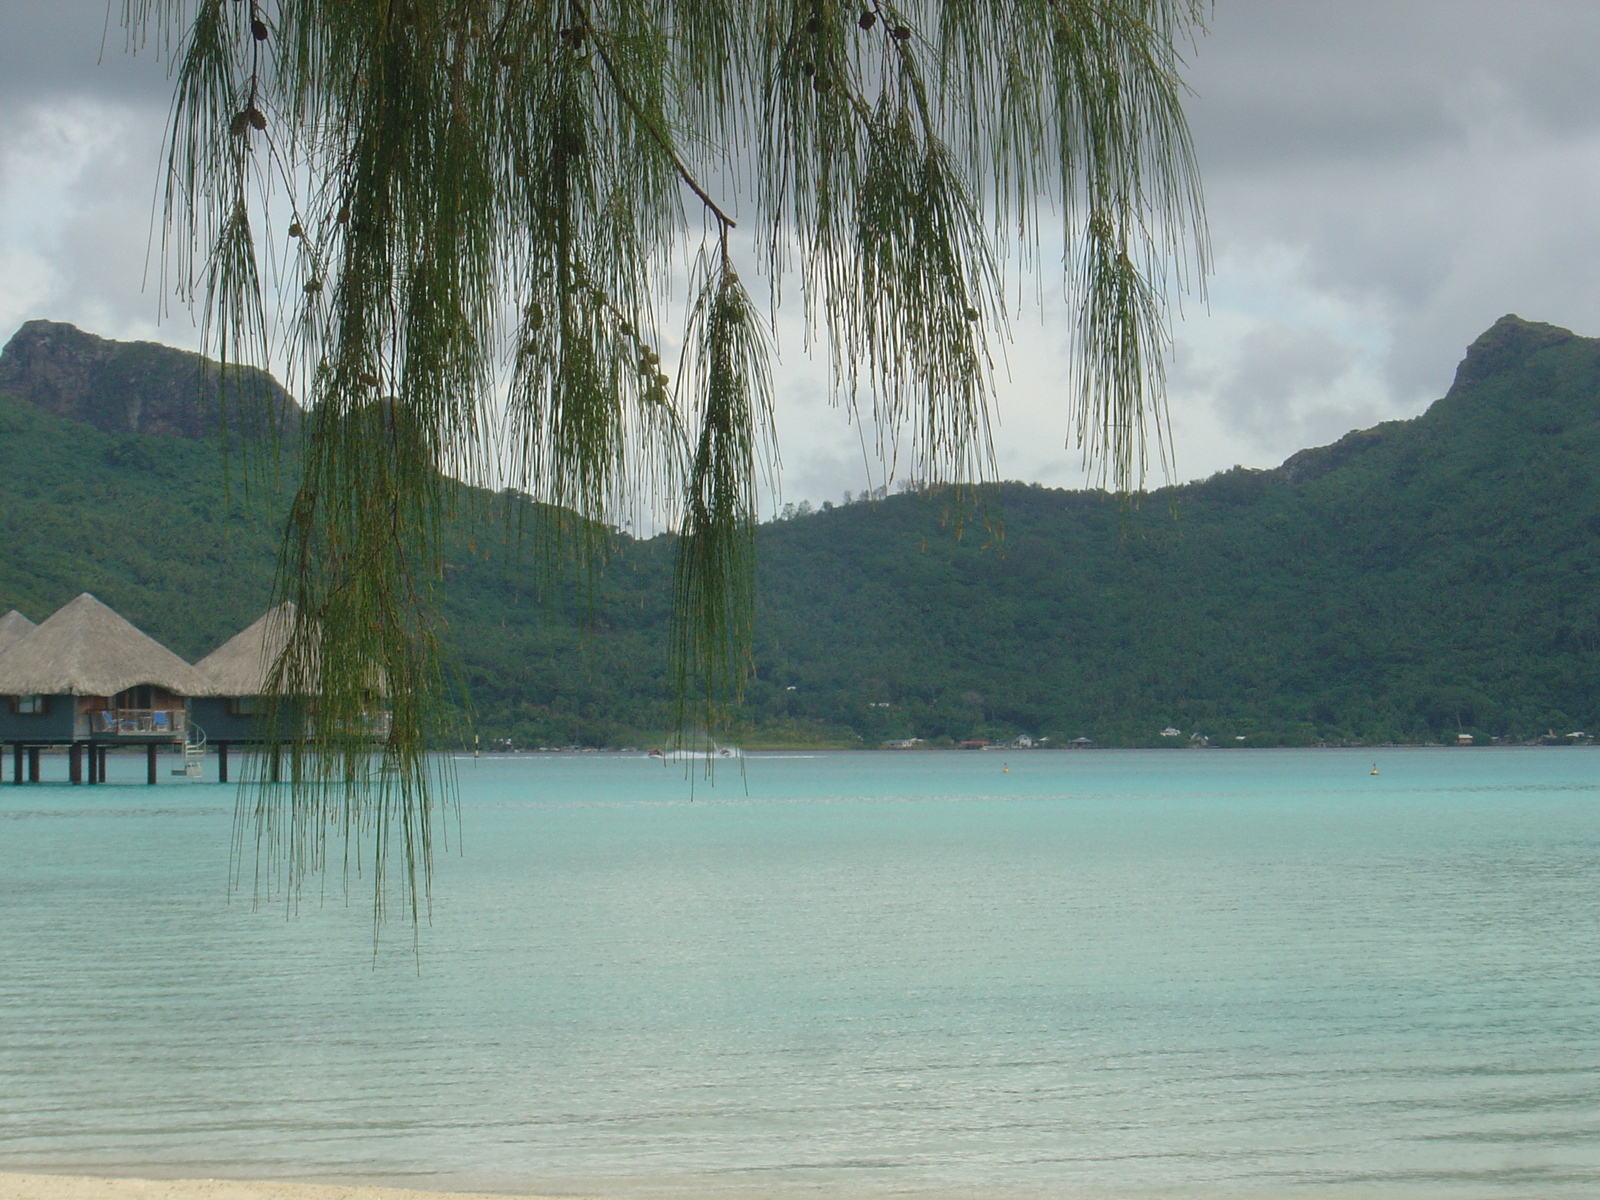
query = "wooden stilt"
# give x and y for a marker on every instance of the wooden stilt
(16, 762)
(75, 762)
(93, 753)
(101, 755)
(33, 764)
(277, 765)
(150, 763)
(222, 762)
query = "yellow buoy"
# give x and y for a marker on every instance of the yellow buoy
(1374, 768)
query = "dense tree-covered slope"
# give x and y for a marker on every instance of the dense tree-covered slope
(1407, 578)
(147, 523)
(1408, 581)
(183, 542)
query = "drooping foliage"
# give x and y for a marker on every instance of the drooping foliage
(457, 224)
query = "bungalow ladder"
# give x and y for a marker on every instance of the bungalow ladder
(194, 752)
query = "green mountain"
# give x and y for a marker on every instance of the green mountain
(1406, 578)
(1409, 581)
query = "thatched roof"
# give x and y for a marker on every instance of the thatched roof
(85, 649)
(242, 665)
(12, 626)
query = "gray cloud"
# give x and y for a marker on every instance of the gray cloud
(65, 49)
(1278, 369)
(1355, 83)
(1384, 181)
(1429, 165)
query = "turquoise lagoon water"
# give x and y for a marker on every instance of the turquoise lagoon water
(1099, 974)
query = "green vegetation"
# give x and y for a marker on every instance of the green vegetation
(496, 188)
(1407, 582)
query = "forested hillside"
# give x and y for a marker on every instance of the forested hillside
(1407, 582)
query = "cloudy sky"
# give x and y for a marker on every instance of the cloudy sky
(1384, 179)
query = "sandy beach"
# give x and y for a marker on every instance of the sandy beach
(87, 1187)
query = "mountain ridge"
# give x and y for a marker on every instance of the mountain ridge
(71, 373)
(1403, 583)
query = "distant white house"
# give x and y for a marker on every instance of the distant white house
(903, 744)
(1022, 742)
(1169, 731)
(1463, 739)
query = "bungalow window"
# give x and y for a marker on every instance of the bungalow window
(135, 697)
(30, 706)
(244, 706)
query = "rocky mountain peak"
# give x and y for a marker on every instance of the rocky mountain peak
(138, 387)
(1505, 346)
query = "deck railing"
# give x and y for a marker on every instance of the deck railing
(374, 724)
(147, 722)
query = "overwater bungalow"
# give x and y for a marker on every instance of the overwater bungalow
(87, 679)
(238, 701)
(235, 697)
(237, 674)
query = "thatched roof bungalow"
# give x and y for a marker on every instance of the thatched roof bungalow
(237, 674)
(242, 665)
(237, 693)
(85, 673)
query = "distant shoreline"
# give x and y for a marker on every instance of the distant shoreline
(998, 747)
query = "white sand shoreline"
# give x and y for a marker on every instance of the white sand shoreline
(94, 1187)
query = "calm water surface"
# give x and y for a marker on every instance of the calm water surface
(1102, 973)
